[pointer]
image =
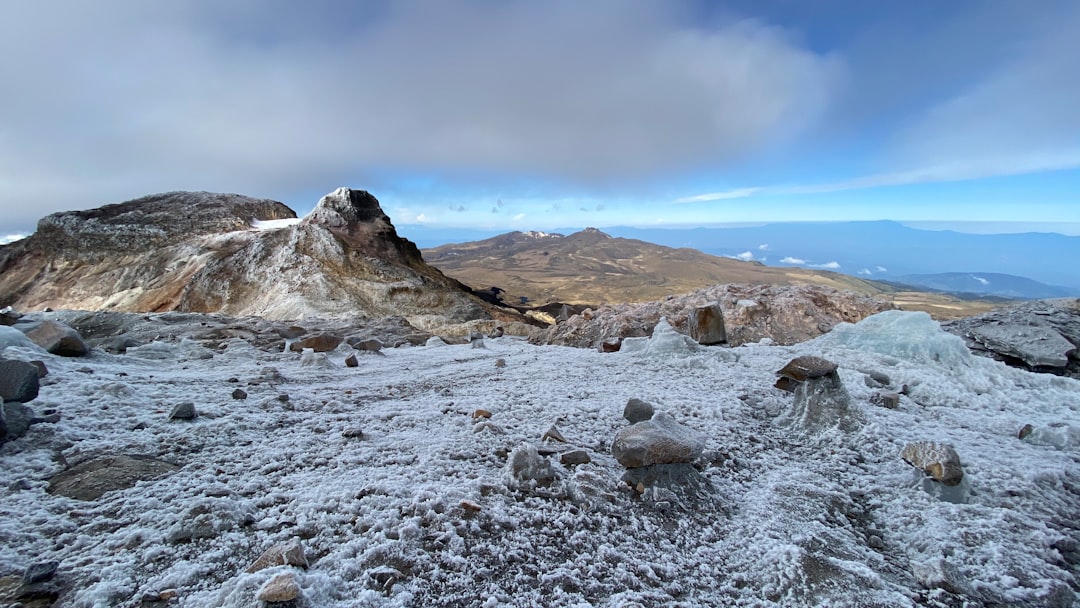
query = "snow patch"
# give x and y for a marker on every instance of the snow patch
(275, 224)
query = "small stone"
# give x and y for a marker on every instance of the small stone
(526, 464)
(659, 440)
(937, 460)
(553, 434)
(291, 332)
(283, 397)
(370, 345)
(321, 343)
(287, 553)
(281, 588)
(874, 542)
(497, 332)
(575, 457)
(886, 399)
(477, 339)
(19, 381)
(500, 363)
(91, 479)
(707, 324)
(637, 410)
(184, 411)
(167, 595)
(611, 345)
(233, 380)
(353, 433)
(786, 384)
(39, 572)
(470, 506)
(481, 414)
(40, 365)
(1025, 431)
(874, 379)
(807, 367)
(351, 361)
(239, 394)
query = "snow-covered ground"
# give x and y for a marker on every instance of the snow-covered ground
(389, 518)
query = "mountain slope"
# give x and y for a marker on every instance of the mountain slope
(592, 267)
(203, 252)
(987, 283)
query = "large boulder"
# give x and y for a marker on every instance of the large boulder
(658, 440)
(706, 324)
(57, 338)
(18, 381)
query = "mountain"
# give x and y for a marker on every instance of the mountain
(883, 249)
(987, 284)
(205, 252)
(592, 267)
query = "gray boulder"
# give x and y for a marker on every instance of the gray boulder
(57, 338)
(637, 410)
(659, 440)
(15, 421)
(1037, 346)
(91, 479)
(706, 324)
(18, 381)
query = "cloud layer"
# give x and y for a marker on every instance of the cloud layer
(117, 100)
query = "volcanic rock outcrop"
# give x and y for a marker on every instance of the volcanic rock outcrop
(202, 252)
(784, 314)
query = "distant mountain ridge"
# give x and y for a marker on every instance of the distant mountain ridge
(593, 267)
(988, 283)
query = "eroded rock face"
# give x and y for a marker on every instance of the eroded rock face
(1040, 336)
(784, 314)
(199, 252)
(659, 440)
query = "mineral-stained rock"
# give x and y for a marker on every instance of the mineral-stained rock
(659, 440)
(18, 381)
(282, 588)
(89, 480)
(637, 410)
(706, 324)
(937, 460)
(286, 553)
(321, 343)
(807, 367)
(57, 338)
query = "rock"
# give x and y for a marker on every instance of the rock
(637, 410)
(821, 401)
(659, 440)
(526, 464)
(938, 574)
(611, 345)
(121, 344)
(886, 399)
(40, 572)
(320, 343)
(42, 370)
(874, 379)
(281, 588)
(353, 433)
(435, 341)
(1037, 346)
(575, 457)
(310, 358)
(184, 411)
(480, 413)
(476, 339)
(500, 363)
(351, 361)
(15, 420)
(939, 461)
(58, 339)
(1025, 431)
(239, 394)
(668, 485)
(90, 479)
(286, 553)
(291, 332)
(9, 317)
(498, 332)
(19, 381)
(807, 367)
(370, 345)
(786, 384)
(470, 506)
(706, 324)
(553, 434)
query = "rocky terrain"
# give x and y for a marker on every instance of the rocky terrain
(202, 252)
(180, 459)
(592, 268)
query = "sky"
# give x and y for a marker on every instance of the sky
(525, 115)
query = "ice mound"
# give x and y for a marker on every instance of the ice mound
(667, 343)
(911, 336)
(9, 336)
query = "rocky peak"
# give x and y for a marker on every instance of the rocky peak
(595, 232)
(154, 221)
(344, 208)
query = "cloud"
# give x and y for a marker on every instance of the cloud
(519, 216)
(763, 247)
(881, 269)
(11, 238)
(421, 218)
(791, 260)
(718, 196)
(745, 256)
(981, 280)
(865, 272)
(274, 99)
(827, 265)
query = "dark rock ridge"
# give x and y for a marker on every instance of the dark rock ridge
(1040, 336)
(199, 252)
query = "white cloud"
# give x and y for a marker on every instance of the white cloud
(881, 269)
(11, 238)
(763, 247)
(273, 101)
(865, 272)
(745, 256)
(717, 196)
(980, 280)
(791, 260)
(519, 216)
(827, 265)
(421, 218)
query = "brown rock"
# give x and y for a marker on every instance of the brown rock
(807, 367)
(575, 457)
(886, 399)
(937, 460)
(281, 588)
(1025, 431)
(287, 553)
(611, 345)
(706, 324)
(351, 361)
(89, 480)
(320, 343)
(58, 339)
(659, 440)
(481, 414)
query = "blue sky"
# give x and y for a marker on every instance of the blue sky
(529, 115)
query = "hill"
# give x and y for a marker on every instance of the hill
(982, 284)
(592, 267)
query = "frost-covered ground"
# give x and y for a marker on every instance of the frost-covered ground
(788, 519)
